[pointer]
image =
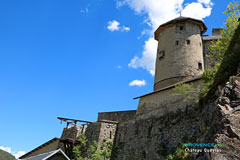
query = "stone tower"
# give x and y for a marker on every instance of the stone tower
(180, 52)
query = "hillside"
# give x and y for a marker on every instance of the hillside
(6, 156)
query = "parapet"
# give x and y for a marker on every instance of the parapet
(117, 115)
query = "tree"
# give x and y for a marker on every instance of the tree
(191, 93)
(218, 48)
(81, 152)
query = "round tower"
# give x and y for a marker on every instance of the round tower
(180, 52)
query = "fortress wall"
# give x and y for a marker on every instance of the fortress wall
(73, 131)
(162, 101)
(107, 132)
(116, 116)
(153, 136)
(208, 63)
(100, 131)
(92, 132)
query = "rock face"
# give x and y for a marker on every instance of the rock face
(227, 121)
(160, 137)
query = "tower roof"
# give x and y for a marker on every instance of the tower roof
(180, 20)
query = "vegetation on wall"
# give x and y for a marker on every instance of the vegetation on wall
(190, 92)
(177, 153)
(82, 152)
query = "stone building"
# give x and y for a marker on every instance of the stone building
(181, 58)
(180, 51)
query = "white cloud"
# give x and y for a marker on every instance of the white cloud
(194, 9)
(115, 26)
(147, 61)
(138, 83)
(120, 3)
(125, 28)
(19, 154)
(119, 67)
(208, 3)
(158, 12)
(84, 10)
(9, 150)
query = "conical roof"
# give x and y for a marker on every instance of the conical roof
(180, 20)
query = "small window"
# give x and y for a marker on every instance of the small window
(110, 136)
(177, 42)
(161, 55)
(199, 65)
(188, 41)
(180, 28)
(200, 44)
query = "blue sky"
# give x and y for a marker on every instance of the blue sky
(76, 58)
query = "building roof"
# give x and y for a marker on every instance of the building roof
(210, 38)
(171, 86)
(46, 156)
(180, 20)
(39, 147)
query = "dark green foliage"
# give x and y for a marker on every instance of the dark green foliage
(6, 156)
(81, 152)
(178, 153)
(173, 154)
(162, 150)
(184, 138)
(80, 149)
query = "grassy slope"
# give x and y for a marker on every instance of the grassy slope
(6, 156)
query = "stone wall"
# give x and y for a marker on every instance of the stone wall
(207, 41)
(157, 136)
(92, 132)
(153, 136)
(107, 132)
(162, 100)
(100, 131)
(116, 116)
(208, 63)
(72, 132)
